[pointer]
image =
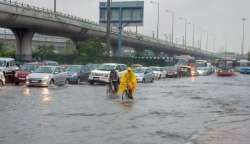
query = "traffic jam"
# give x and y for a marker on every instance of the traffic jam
(48, 73)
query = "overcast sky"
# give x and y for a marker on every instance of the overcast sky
(220, 18)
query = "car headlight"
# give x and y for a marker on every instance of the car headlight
(74, 75)
(46, 78)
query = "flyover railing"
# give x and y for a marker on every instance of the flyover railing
(50, 14)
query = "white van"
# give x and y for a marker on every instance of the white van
(101, 75)
(8, 66)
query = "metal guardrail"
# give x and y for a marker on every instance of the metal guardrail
(10, 36)
(91, 24)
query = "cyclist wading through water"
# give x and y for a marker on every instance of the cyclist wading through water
(128, 83)
(114, 81)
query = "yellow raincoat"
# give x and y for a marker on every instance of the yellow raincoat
(128, 79)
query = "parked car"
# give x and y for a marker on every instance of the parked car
(157, 71)
(77, 73)
(144, 74)
(2, 79)
(8, 67)
(93, 66)
(47, 75)
(134, 66)
(51, 63)
(101, 75)
(25, 69)
(172, 72)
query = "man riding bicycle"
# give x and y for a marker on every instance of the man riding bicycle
(128, 83)
(114, 81)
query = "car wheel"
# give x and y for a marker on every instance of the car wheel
(78, 81)
(16, 83)
(1, 84)
(91, 83)
(152, 80)
(66, 82)
(52, 82)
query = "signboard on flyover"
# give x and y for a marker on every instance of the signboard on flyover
(129, 13)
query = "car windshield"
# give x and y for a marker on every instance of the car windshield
(106, 67)
(92, 66)
(44, 70)
(139, 70)
(170, 68)
(156, 69)
(28, 67)
(73, 68)
(225, 65)
(182, 62)
(2, 63)
(201, 64)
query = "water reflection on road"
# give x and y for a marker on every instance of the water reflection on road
(173, 111)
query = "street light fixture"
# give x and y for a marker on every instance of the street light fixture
(172, 34)
(158, 16)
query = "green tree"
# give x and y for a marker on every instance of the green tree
(69, 48)
(44, 50)
(7, 50)
(92, 51)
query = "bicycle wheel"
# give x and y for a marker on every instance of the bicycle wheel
(108, 91)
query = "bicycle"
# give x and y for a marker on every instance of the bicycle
(111, 90)
(128, 93)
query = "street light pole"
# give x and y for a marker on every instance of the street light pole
(185, 33)
(54, 6)
(193, 35)
(207, 42)
(158, 17)
(172, 33)
(243, 37)
(214, 44)
(108, 26)
(201, 38)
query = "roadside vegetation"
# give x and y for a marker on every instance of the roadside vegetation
(7, 50)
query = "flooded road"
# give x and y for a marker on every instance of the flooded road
(201, 110)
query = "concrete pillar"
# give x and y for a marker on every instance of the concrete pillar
(23, 44)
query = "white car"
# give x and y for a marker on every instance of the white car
(157, 71)
(8, 66)
(144, 74)
(2, 79)
(101, 75)
(47, 75)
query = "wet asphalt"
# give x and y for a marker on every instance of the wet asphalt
(197, 110)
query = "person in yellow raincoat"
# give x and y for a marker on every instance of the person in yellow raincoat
(128, 80)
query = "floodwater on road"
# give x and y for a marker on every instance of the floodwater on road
(202, 110)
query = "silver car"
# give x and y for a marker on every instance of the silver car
(144, 74)
(47, 75)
